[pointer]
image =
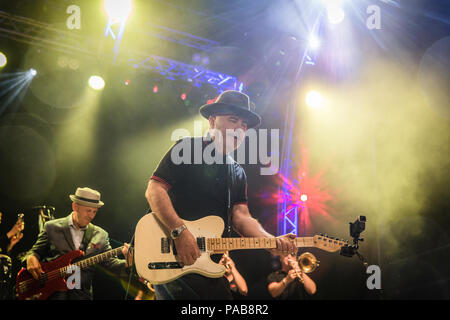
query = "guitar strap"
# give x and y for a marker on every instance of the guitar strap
(231, 179)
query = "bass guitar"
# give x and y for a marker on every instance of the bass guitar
(55, 273)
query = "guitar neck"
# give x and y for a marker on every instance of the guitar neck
(86, 263)
(227, 244)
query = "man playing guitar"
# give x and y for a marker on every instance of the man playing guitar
(61, 237)
(191, 191)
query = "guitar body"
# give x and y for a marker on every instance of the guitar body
(30, 289)
(150, 231)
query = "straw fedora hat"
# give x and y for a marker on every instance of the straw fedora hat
(87, 197)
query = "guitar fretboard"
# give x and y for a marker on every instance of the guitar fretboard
(226, 244)
(86, 263)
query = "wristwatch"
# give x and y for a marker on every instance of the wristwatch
(175, 233)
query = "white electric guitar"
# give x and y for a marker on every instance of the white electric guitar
(155, 254)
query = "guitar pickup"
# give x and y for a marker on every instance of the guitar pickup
(201, 243)
(165, 245)
(164, 265)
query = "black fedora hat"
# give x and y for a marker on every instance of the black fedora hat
(232, 102)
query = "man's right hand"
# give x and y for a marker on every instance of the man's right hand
(292, 275)
(187, 248)
(34, 267)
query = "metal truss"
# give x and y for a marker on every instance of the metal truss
(154, 30)
(180, 37)
(48, 36)
(175, 70)
(42, 34)
(290, 221)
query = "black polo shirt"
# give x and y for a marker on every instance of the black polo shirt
(196, 187)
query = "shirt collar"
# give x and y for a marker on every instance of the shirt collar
(73, 225)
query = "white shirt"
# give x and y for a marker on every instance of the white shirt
(77, 234)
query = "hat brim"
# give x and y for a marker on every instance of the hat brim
(86, 203)
(218, 108)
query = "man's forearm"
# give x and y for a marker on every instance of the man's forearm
(161, 205)
(309, 284)
(247, 226)
(240, 282)
(277, 288)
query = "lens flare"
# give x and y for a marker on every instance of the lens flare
(314, 99)
(118, 10)
(335, 14)
(314, 42)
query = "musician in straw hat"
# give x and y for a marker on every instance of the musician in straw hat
(76, 232)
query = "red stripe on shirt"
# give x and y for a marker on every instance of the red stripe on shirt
(161, 180)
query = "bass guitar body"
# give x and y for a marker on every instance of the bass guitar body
(50, 281)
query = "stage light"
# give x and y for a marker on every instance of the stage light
(3, 60)
(314, 99)
(33, 72)
(335, 13)
(313, 42)
(304, 197)
(118, 10)
(96, 82)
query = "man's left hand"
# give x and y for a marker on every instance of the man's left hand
(286, 244)
(128, 254)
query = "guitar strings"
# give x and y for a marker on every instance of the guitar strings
(55, 274)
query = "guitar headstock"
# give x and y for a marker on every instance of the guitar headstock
(327, 243)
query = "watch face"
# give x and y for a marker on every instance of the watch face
(175, 233)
